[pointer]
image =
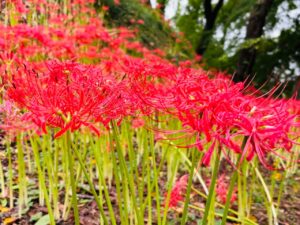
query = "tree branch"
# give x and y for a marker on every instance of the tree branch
(210, 16)
(247, 56)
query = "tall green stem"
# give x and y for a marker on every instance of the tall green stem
(269, 198)
(2, 183)
(10, 174)
(231, 185)
(280, 190)
(72, 176)
(212, 187)
(102, 182)
(127, 177)
(155, 178)
(189, 188)
(42, 179)
(21, 175)
(92, 187)
(169, 194)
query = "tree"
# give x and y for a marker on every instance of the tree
(232, 35)
(255, 27)
(249, 37)
(211, 14)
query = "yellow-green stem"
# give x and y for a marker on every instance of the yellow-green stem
(124, 168)
(189, 187)
(72, 176)
(212, 187)
(42, 179)
(231, 187)
(92, 188)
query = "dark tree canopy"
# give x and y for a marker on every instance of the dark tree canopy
(255, 27)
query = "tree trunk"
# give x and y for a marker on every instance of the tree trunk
(210, 17)
(255, 27)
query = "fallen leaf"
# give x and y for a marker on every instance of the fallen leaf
(3, 209)
(9, 220)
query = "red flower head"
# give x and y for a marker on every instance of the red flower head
(68, 96)
(178, 191)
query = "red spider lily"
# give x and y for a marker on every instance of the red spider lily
(138, 122)
(222, 190)
(177, 191)
(117, 2)
(217, 109)
(266, 125)
(13, 121)
(68, 96)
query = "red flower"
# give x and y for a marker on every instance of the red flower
(137, 122)
(222, 190)
(140, 21)
(178, 191)
(105, 8)
(68, 96)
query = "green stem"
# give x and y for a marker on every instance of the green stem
(144, 152)
(56, 182)
(21, 175)
(228, 198)
(245, 196)
(123, 212)
(212, 187)
(92, 188)
(2, 183)
(169, 193)
(150, 191)
(280, 190)
(10, 174)
(42, 179)
(247, 221)
(47, 159)
(72, 176)
(102, 182)
(65, 176)
(155, 175)
(189, 187)
(269, 198)
(128, 178)
(221, 215)
(232, 183)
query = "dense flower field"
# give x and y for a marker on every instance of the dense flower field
(88, 109)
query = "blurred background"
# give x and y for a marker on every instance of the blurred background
(254, 40)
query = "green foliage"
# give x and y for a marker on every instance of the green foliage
(191, 23)
(154, 32)
(277, 57)
(280, 57)
(216, 57)
(192, 31)
(234, 11)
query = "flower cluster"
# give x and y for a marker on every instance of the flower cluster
(222, 190)
(177, 191)
(97, 75)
